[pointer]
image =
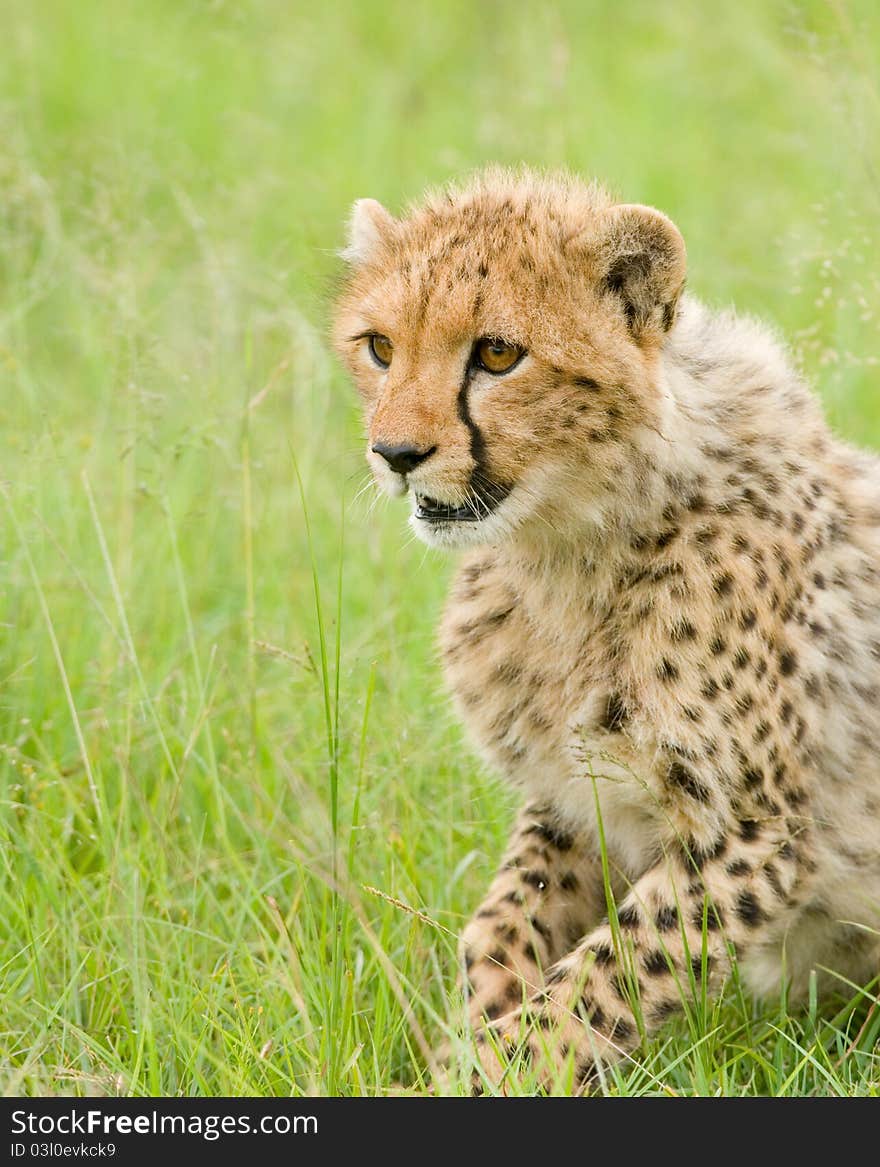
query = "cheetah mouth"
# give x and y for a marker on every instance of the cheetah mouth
(479, 506)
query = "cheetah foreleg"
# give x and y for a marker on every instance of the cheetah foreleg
(545, 897)
(681, 922)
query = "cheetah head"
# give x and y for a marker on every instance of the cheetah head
(504, 338)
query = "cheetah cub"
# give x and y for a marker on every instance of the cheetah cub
(665, 627)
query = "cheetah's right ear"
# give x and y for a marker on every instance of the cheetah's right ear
(369, 226)
(644, 262)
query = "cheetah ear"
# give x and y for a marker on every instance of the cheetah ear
(369, 227)
(644, 263)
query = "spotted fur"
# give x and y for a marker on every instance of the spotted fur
(665, 628)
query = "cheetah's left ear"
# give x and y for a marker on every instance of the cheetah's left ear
(644, 261)
(369, 227)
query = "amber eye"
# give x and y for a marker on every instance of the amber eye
(381, 350)
(496, 356)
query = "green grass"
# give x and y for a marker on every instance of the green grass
(220, 728)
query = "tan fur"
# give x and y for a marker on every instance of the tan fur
(666, 622)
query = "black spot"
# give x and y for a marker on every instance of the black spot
(738, 868)
(495, 619)
(495, 1009)
(741, 543)
(714, 917)
(666, 918)
(787, 663)
(710, 746)
(472, 572)
(531, 952)
(552, 835)
(584, 1071)
(749, 829)
(667, 671)
(664, 571)
(536, 879)
(628, 916)
(772, 877)
(568, 881)
(596, 1015)
(740, 658)
(723, 584)
(514, 992)
(622, 1030)
(615, 715)
(687, 781)
(620, 986)
(697, 965)
(603, 953)
(749, 910)
(655, 964)
(700, 856)
(541, 928)
(683, 630)
(718, 646)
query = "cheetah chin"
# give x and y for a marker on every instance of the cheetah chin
(481, 519)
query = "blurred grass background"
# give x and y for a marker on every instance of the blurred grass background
(190, 746)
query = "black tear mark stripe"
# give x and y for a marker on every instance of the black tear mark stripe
(478, 442)
(481, 484)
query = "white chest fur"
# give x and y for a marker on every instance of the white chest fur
(530, 672)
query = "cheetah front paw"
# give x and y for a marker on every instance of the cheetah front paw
(505, 1051)
(539, 1047)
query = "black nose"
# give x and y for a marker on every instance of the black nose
(402, 458)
